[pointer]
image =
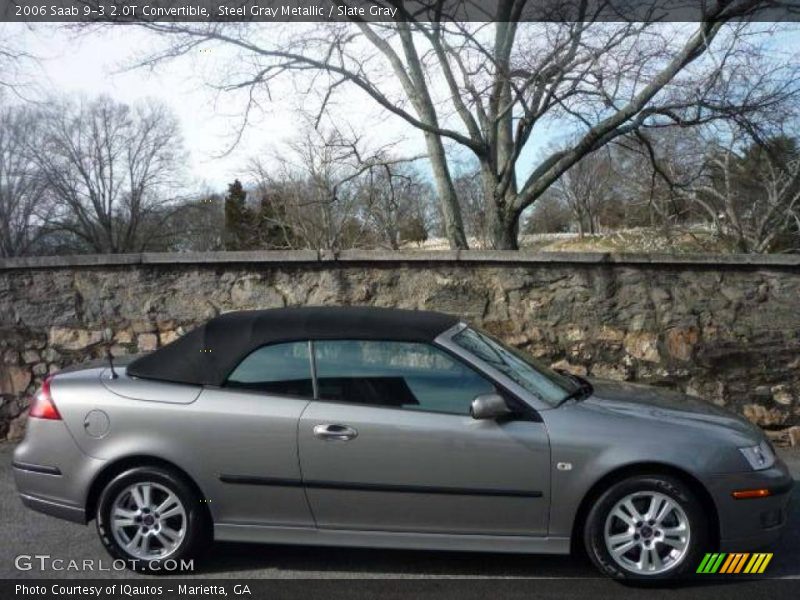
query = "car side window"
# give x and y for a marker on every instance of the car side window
(277, 369)
(406, 375)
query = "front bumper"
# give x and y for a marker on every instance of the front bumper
(749, 524)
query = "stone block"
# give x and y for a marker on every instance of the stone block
(69, 338)
(643, 345)
(681, 341)
(147, 342)
(14, 379)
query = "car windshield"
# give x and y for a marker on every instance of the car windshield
(524, 370)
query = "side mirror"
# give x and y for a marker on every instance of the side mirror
(490, 406)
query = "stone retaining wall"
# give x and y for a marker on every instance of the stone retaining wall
(723, 327)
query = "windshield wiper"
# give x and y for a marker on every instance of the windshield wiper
(583, 391)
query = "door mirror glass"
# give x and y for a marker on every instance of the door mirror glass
(490, 406)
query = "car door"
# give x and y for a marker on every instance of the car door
(390, 446)
(245, 438)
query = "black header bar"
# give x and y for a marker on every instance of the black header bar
(32, 11)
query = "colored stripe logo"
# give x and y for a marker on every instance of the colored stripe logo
(734, 562)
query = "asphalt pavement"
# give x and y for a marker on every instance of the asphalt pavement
(25, 532)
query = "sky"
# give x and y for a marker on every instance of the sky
(99, 63)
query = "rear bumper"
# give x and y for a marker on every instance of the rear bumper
(76, 514)
(749, 524)
(51, 473)
(37, 476)
(33, 468)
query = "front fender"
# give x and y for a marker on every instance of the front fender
(587, 446)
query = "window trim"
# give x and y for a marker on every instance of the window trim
(262, 393)
(312, 364)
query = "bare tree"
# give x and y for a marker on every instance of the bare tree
(587, 189)
(472, 201)
(195, 225)
(488, 87)
(14, 59)
(549, 215)
(22, 193)
(751, 192)
(396, 203)
(654, 169)
(312, 183)
(640, 180)
(320, 187)
(111, 171)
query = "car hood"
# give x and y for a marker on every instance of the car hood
(643, 401)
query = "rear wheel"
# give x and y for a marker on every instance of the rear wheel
(149, 515)
(646, 527)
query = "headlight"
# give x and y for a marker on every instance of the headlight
(760, 457)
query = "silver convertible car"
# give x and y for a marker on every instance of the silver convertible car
(391, 429)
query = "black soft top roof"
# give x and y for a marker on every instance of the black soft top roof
(207, 355)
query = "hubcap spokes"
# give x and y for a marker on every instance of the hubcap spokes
(148, 520)
(647, 532)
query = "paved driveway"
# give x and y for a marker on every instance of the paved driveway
(26, 532)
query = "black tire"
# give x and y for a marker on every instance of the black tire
(197, 535)
(679, 493)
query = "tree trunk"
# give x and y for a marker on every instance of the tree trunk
(502, 224)
(416, 88)
(504, 234)
(451, 211)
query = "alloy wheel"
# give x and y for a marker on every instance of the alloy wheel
(148, 520)
(647, 532)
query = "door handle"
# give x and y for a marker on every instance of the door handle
(335, 432)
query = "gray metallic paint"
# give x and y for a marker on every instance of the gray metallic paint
(410, 448)
(211, 432)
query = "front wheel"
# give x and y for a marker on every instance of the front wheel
(646, 527)
(149, 515)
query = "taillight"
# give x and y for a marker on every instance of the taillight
(43, 406)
